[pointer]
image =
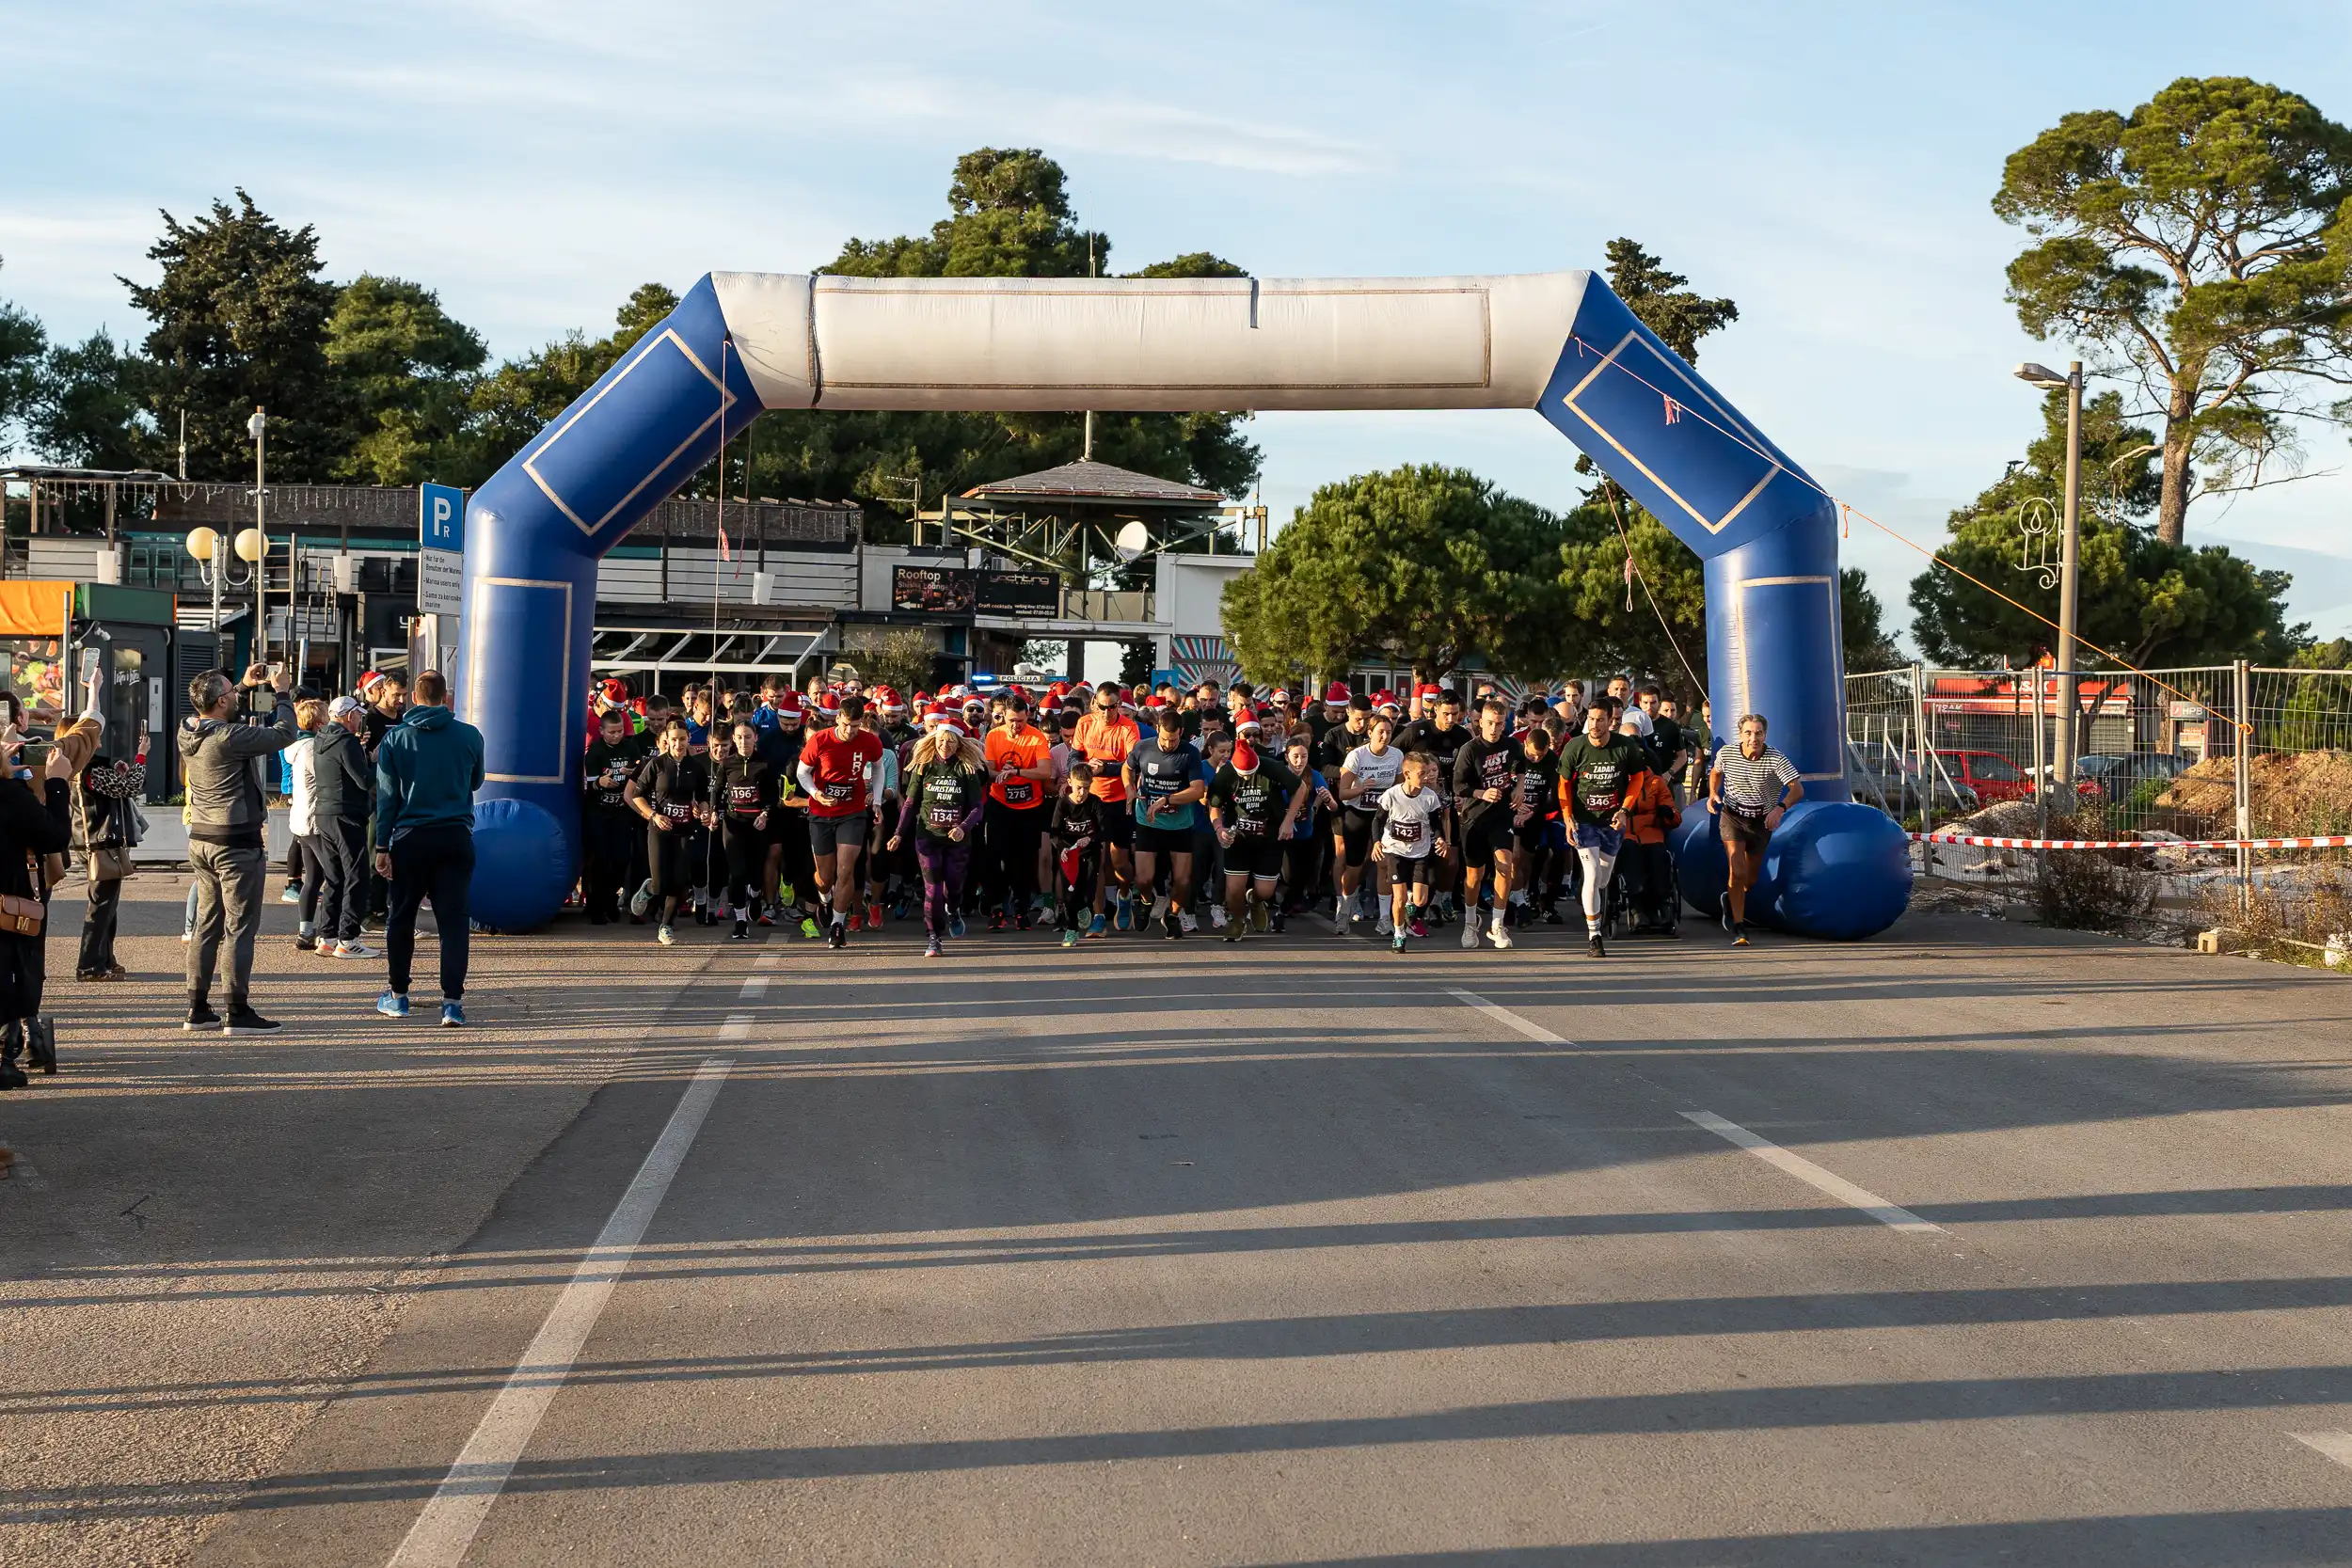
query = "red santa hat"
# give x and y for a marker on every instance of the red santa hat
(1244, 758)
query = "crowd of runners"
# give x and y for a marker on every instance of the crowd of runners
(1099, 810)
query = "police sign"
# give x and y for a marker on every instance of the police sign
(441, 550)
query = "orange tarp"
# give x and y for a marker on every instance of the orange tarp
(35, 608)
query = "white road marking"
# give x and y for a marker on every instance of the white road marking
(737, 1026)
(444, 1532)
(1804, 1170)
(2335, 1445)
(766, 960)
(755, 988)
(1505, 1016)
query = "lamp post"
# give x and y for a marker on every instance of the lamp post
(204, 544)
(2062, 752)
(258, 428)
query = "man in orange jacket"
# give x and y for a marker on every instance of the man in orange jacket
(1648, 864)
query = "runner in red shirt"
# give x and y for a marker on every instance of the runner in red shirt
(837, 772)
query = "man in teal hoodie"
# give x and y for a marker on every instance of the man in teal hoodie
(427, 769)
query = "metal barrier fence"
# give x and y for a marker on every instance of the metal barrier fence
(2228, 751)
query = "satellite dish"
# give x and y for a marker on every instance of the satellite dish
(1133, 541)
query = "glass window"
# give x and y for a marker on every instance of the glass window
(1997, 769)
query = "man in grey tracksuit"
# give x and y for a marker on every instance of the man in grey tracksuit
(221, 761)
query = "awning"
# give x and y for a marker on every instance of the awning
(35, 609)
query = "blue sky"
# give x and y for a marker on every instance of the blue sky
(1827, 165)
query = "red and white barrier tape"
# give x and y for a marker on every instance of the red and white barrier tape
(2337, 841)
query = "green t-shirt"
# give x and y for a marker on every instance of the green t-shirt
(1252, 804)
(1596, 777)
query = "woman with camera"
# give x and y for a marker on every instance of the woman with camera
(35, 823)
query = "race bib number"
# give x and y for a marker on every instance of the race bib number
(942, 815)
(678, 811)
(838, 792)
(1405, 831)
(743, 799)
(1020, 792)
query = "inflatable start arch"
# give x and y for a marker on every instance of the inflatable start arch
(1561, 343)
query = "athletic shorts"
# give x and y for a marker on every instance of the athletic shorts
(1417, 871)
(829, 834)
(1119, 827)
(1608, 841)
(1163, 841)
(1487, 835)
(1355, 835)
(1261, 858)
(1743, 832)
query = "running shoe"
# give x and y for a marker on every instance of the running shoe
(1233, 932)
(1258, 916)
(1216, 917)
(292, 894)
(838, 934)
(641, 900)
(1470, 928)
(874, 918)
(201, 1016)
(1553, 917)
(1170, 926)
(661, 934)
(955, 923)
(1599, 950)
(1070, 938)
(1420, 928)
(392, 1004)
(1499, 934)
(808, 927)
(1278, 920)
(1124, 915)
(1739, 934)
(995, 920)
(743, 930)
(787, 894)
(1190, 925)
(931, 948)
(452, 1014)
(1099, 928)
(244, 1020)
(353, 950)
(1396, 942)
(1020, 921)
(767, 919)
(1382, 927)
(705, 915)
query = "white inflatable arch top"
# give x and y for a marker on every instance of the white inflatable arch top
(1149, 343)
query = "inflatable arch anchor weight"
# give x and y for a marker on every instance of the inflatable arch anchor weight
(1561, 343)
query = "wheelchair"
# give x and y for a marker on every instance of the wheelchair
(1656, 910)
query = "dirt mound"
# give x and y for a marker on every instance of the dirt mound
(2310, 792)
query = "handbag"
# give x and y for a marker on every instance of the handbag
(105, 862)
(21, 916)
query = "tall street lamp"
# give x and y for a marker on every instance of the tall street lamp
(258, 428)
(2062, 752)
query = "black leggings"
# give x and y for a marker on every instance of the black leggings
(607, 845)
(747, 862)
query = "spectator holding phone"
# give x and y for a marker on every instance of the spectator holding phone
(221, 761)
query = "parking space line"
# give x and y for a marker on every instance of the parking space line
(1505, 1016)
(444, 1532)
(2335, 1445)
(1892, 1216)
(755, 988)
(737, 1026)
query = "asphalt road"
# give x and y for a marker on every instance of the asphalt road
(1968, 1244)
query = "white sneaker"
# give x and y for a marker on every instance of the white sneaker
(1499, 934)
(1384, 927)
(1191, 926)
(1469, 927)
(663, 937)
(1216, 918)
(641, 900)
(356, 950)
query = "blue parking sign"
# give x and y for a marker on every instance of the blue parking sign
(441, 518)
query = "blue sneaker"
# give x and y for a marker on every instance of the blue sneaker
(452, 1014)
(955, 923)
(1102, 924)
(1125, 917)
(392, 1004)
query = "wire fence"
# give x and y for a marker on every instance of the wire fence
(2228, 751)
